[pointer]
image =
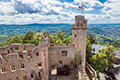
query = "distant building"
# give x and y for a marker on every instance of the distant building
(97, 48)
(45, 61)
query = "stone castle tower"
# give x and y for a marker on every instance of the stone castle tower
(79, 37)
(43, 49)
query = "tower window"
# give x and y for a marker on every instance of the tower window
(64, 53)
(3, 70)
(13, 68)
(39, 65)
(20, 56)
(75, 35)
(93, 49)
(31, 75)
(39, 74)
(22, 66)
(37, 54)
(45, 36)
(8, 51)
(11, 50)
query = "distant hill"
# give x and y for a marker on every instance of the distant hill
(104, 33)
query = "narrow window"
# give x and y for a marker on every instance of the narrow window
(45, 36)
(22, 66)
(37, 54)
(39, 65)
(20, 56)
(17, 78)
(11, 50)
(94, 49)
(3, 70)
(39, 75)
(75, 35)
(8, 51)
(13, 68)
(31, 75)
(75, 66)
(64, 53)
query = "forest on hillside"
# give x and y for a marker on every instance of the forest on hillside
(103, 33)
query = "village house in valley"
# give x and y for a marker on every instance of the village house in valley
(47, 61)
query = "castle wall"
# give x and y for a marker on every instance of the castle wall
(26, 61)
(30, 58)
(56, 55)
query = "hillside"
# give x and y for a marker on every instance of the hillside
(104, 33)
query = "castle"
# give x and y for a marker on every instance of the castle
(45, 61)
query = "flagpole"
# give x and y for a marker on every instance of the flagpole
(81, 9)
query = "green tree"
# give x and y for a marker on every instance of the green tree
(67, 40)
(52, 39)
(1, 45)
(34, 41)
(103, 60)
(14, 39)
(99, 62)
(38, 36)
(60, 35)
(28, 36)
(92, 39)
(58, 41)
(88, 50)
(110, 56)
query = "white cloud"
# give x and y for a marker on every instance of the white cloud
(89, 3)
(89, 9)
(54, 11)
(7, 8)
(113, 6)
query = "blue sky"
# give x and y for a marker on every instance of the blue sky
(58, 11)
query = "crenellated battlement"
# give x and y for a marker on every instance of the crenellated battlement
(62, 45)
(80, 23)
(45, 40)
(13, 48)
(16, 52)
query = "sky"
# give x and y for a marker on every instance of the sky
(58, 11)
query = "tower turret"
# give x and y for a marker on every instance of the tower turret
(79, 37)
(43, 49)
